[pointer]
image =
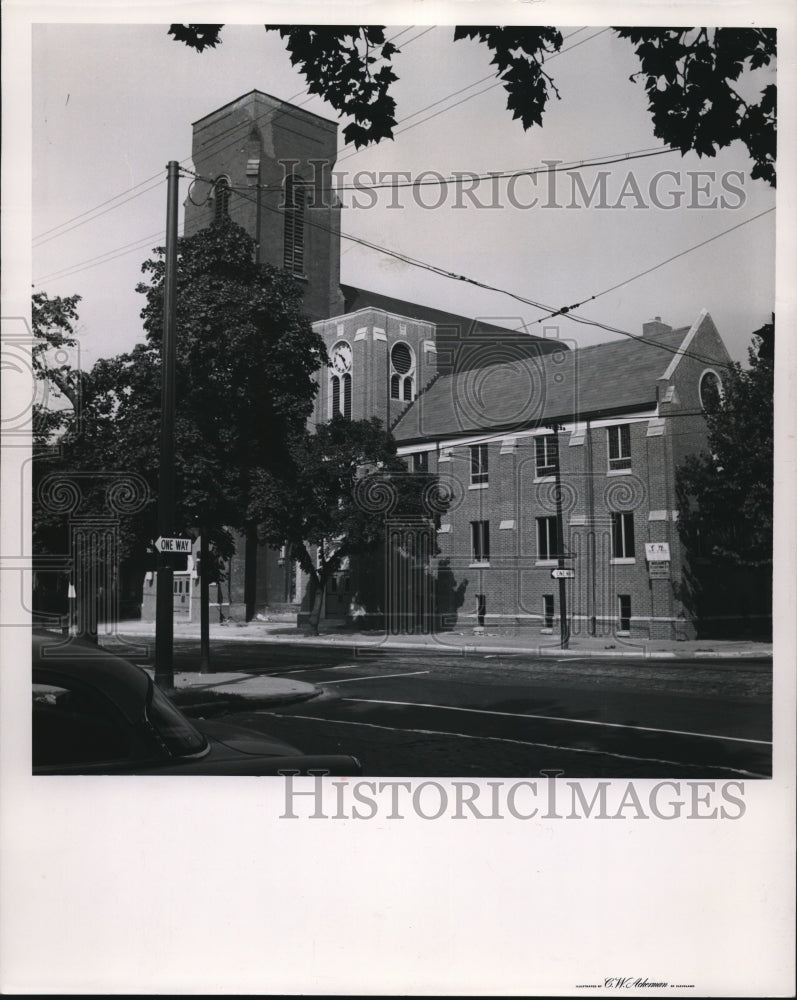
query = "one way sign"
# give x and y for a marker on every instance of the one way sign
(173, 544)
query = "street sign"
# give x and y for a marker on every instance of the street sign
(657, 551)
(173, 544)
(562, 574)
(659, 570)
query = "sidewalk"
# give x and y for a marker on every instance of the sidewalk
(465, 641)
(198, 691)
(191, 687)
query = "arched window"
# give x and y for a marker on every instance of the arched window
(295, 200)
(221, 199)
(710, 389)
(402, 378)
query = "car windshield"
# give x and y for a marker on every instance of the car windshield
(179, 736)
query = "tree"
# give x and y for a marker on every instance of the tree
(333, 506)
(246, 361)
(54, 322)
(691, 76)
(725, 494)
(247, 358)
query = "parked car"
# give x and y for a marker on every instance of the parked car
(97, 713)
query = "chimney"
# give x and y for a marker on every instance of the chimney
(654, 328)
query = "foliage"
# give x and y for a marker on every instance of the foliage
(519, 54)
(333, 505)
(725, 496)
(339, 63)
(692, 77)
(54, 329)
(246, 361)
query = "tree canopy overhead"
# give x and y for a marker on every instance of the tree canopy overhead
(692, 76)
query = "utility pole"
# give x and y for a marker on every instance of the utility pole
(564, 631)
(164, 611)
(204, 600)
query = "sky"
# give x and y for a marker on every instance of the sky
(113, 103)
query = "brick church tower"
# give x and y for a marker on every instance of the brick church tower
(268, 166)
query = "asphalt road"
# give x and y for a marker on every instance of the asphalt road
(420, 714)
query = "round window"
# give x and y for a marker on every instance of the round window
(710, 389)
(401, 357)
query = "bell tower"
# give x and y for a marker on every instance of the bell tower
(268, 166)
(379, 363)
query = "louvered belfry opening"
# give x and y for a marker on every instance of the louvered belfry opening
(295, 202)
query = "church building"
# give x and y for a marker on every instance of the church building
(559, 462)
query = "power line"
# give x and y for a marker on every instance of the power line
(499, 82)
(490, 76)
(655, 267)
(102, 203)
(582, 164)
(606, 160)
(104, 258)
(77, 225)
(216, 146)
(40, 240)
(40, 237)
(424, 265)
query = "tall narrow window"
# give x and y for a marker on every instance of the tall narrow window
(620, 446)
(221, 199)
(480, 541)
(624, 612)
(347, 396)
(547, 538)
(479, 473)
(547, 454)
(295, 199)
(547, 611)
(623, 535)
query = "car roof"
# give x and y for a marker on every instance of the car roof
(122, 682)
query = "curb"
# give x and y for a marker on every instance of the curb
(319, 642)
(231, 698)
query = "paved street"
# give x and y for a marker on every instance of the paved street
(422, 714)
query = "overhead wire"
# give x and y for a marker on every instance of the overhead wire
(39, 239)
(104, 258)
(553, 167)
(65, 227)
(552, 311)
(215, 146)
(47, 238)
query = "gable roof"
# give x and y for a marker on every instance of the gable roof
(601, 380)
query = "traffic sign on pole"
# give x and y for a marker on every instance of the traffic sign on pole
(173, 544)
(563, 574)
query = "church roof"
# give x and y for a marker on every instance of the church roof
(601, 380)
(462, 328)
